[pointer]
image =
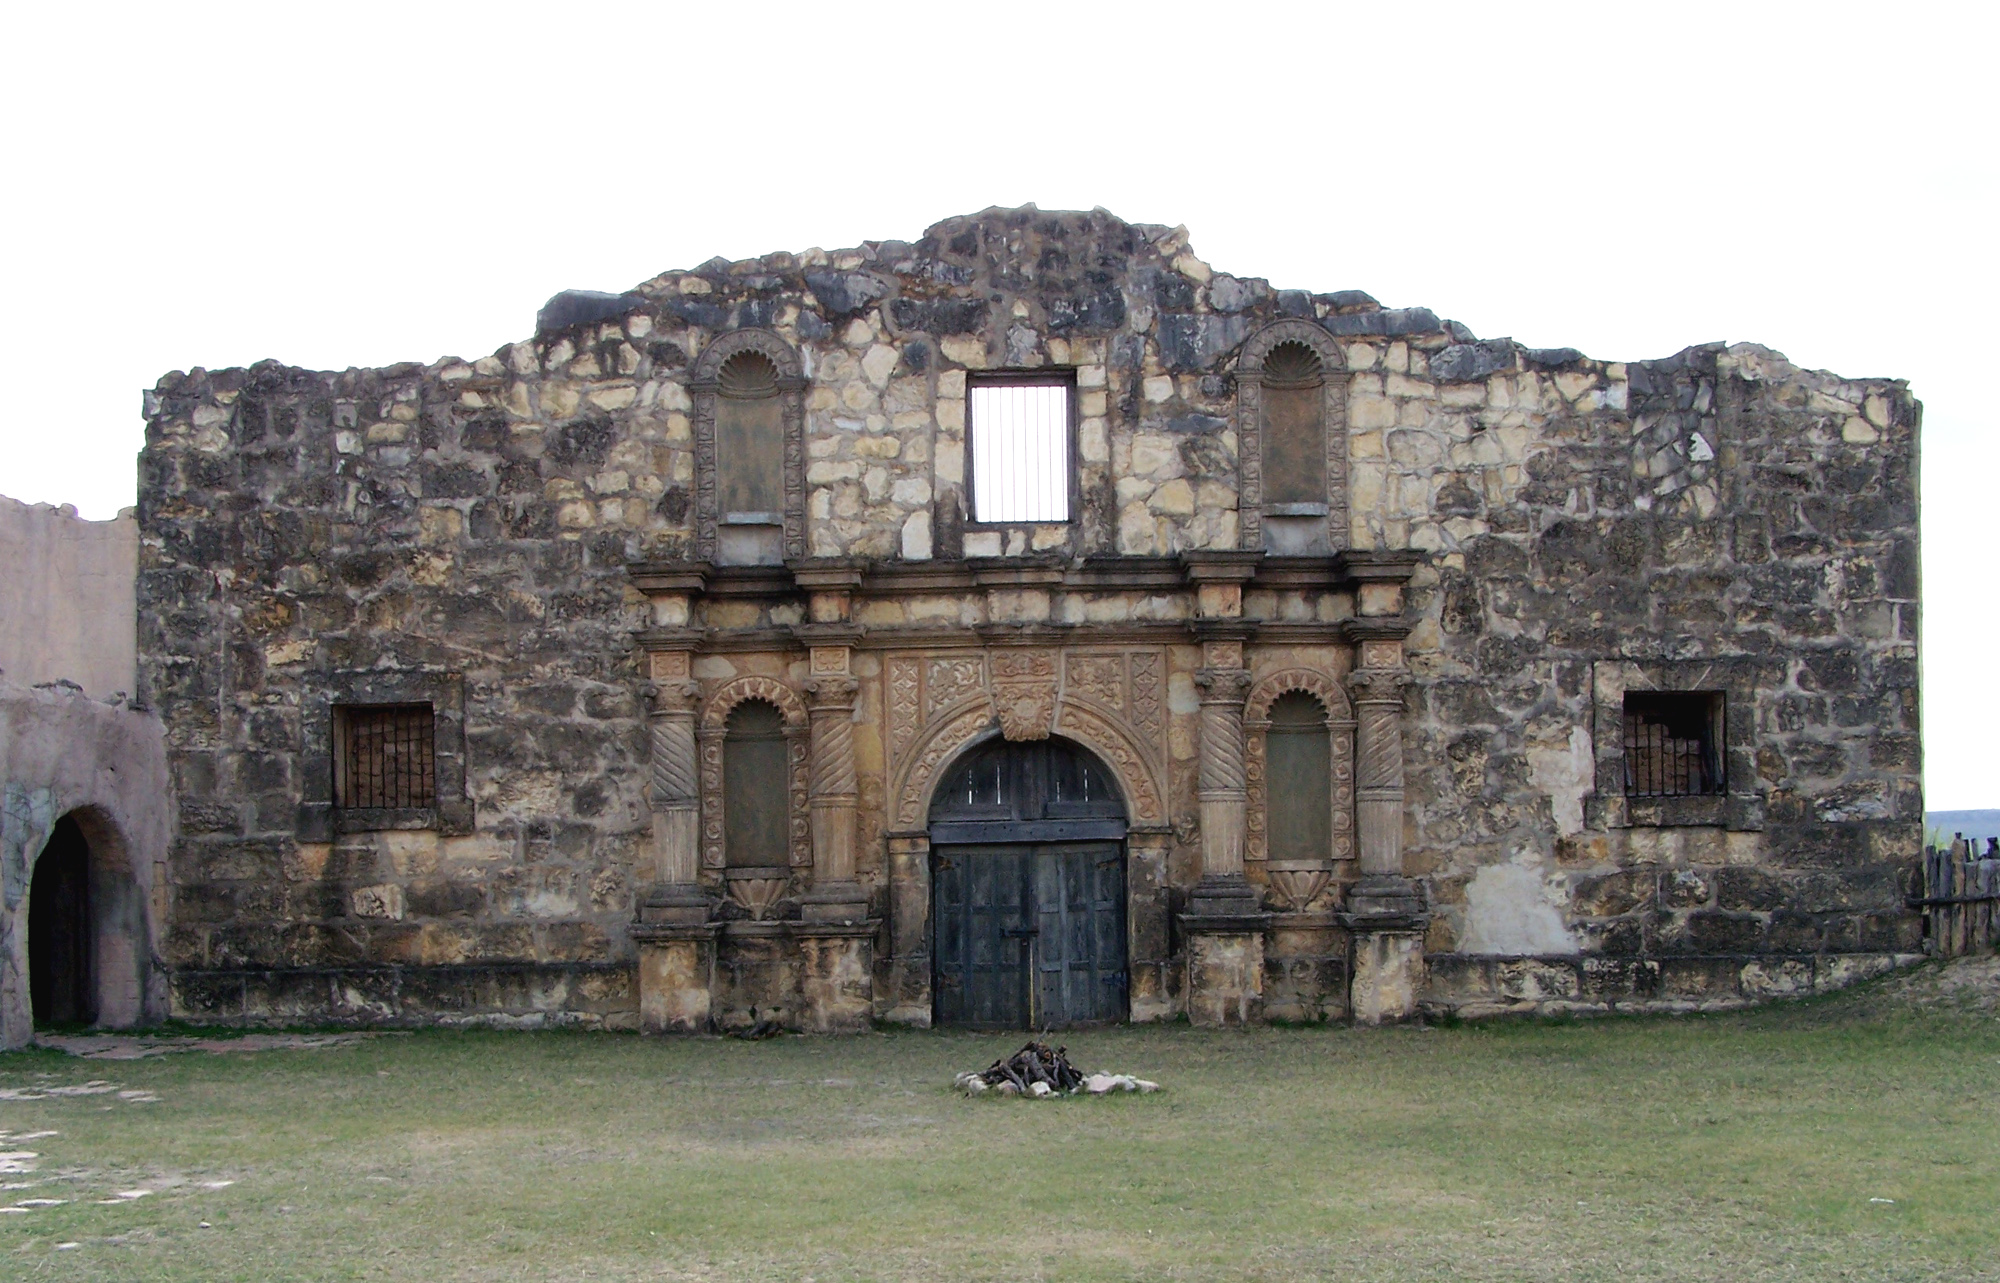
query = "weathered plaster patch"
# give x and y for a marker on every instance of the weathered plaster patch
(1565, 772)
(1515, 910)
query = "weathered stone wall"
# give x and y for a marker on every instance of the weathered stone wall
(67, 598)
(1718, 518)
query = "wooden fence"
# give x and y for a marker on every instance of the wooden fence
(1960, 897)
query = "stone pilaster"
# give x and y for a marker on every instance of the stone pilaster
(1223, 791)
(835, 935)
(1224, 922)
(908, 997)
(833, 792)
(1387, 911)
(674, 795)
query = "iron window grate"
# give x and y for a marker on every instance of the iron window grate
(385, 756)
(1020, 450)
(1672, 741)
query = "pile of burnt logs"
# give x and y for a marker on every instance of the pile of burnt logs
(1035, 1064)
(1038, 1070)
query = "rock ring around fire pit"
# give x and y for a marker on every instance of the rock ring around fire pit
(1038, 1071)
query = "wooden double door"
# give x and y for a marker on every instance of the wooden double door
(1028, 890)
(1030, 935)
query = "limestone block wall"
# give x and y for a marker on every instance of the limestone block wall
(1717, 520)
(66, 599)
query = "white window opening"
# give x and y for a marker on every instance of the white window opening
(1020, 451)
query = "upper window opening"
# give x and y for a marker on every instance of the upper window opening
(1294, 402)
(749, 441)
(1672, 741)
(1020, 430)
(385, 756)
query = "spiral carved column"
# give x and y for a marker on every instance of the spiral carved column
(1378, 773)
(1224, 793)
(675, 793)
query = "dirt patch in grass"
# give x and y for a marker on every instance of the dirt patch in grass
(144, 1046)
(1967, 985)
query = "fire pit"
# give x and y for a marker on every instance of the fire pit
(1037, 1071)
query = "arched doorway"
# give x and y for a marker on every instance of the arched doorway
(1028, 889)
(62, 940)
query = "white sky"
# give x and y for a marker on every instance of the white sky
(359, 184)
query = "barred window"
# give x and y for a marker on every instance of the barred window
(1672, 743)
(1019, 426)
(384, 756)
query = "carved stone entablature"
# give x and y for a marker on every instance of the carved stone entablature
(1340, 726)
(703, 386)
(1250, 427)
(1112, 700)
(714, 723)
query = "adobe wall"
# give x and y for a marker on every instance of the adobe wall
(1714, 520)
(67, 601)
(62, 753)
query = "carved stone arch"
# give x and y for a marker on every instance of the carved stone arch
(1250, 427)
(708, 366)
(1256, 725)
(703, 386)
(769, 689)
(1250, 357)
(1321, 687)
(714, 725)
(935, 747)
(940, 743)
(1137, 774)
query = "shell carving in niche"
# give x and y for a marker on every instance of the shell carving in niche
(1294, 884)
(758, 890)
(747, 376)
(1292, 365)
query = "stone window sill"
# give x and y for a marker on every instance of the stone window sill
(372, 819)
(1737, 812)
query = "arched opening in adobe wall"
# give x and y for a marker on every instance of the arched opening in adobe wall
(86, 918)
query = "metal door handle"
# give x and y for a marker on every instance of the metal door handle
(1020, 932)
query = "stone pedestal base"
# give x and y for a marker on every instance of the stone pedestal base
(836, 903)
(1387, 970)
(676, 970)
(836, 976)
(678, 904)
(1228, 896)
(1225, 979)
(1386, 916)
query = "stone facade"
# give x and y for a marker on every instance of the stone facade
(1499, 544)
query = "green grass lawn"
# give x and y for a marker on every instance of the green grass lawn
(1730, 1147)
